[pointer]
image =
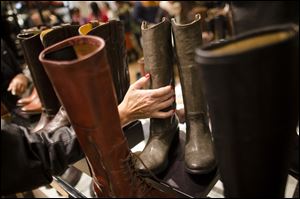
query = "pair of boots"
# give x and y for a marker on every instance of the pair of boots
(251, 83)
(158, 58)
(32, 44)
(78, 79)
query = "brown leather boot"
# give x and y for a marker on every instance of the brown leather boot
(199, 151)
(158, 58)
(251, 83)
(27, 100)
(34, 106)
(32, 46)
(101, 138)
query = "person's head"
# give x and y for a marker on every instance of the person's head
(106, 6)
(95, 9)
(75, 12)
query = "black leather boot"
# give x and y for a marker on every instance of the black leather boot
(58, 33)
(114, 36)
(199, 151)
(32, 46)
(251, 83)
(158, 58)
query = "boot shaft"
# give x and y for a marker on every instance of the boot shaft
(187, 38)
(158, 58)
(113, 34)
(32, 46)
(58, 33)
(251, 83)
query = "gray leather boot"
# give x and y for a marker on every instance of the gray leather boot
(158, 57)
(199, 150)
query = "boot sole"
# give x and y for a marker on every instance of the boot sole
(200, 171)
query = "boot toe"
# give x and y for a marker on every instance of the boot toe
(197, 163)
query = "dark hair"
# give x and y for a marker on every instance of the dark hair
(95, 9)
(107, 5)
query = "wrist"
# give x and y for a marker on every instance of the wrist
(124, 115)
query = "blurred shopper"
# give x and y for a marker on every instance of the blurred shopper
(106, 10)
(96, 13)
(13, 81)
(148, 11)
(123, 12)
(77, 18)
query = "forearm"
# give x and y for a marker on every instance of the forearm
(29, 160)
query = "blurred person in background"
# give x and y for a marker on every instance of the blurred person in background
(123, 12)
(77, 18)
(106, 10)
(96, 13)
(13, 81)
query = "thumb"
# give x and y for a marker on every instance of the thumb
(10, 87)
(141, 82)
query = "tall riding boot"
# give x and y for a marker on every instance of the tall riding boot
(199, 149)
(32, 46)
(75, 80)
(251, 83)
(114, 36)
(58, 33)
(158, 57)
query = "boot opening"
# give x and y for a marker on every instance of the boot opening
(75, 50)
(252, 43)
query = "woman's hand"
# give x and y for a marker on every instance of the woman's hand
(18, 84)
(141, 103)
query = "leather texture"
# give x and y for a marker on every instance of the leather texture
(79, 77)
(158, 57)
(34, 106)
(58, 33)
(60, 119)
(199, 149)
(36, 156)
(27, 100)
(252, 91)
(32, 46)
(114, 36)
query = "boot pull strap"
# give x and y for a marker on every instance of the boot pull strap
(198, 16)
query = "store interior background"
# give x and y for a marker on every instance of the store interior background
(17, 15)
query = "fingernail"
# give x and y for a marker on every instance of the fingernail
(147, 75)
